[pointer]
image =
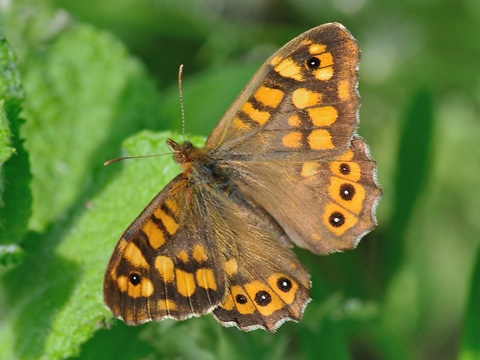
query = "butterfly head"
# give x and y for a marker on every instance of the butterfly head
(185, 154)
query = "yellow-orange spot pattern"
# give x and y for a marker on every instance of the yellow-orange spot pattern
(183, 256)
(228, 303)
(122, 282)
(323, 115)
(258, 116)
(309, 168)
(199, 253)
(323, 74)
(316, 49)
(303, 98)
(144, 289)
(276, 60)
(170, 224)
(269, 97)
(343, 90)
(134, 256)
(240, 125)
(355, 204)
(320, 139)
(350, 219)
(166, 305)
(355, 171)
(185, 283)
(155, 236)
(346, 156)
(292, 140)
(289, 69)
(275, 304)
(172, 206)
(294, 121)
(287, 297)
(248, 307)
(326, 59)
(165, 268)
(206, 279)
(231, 267)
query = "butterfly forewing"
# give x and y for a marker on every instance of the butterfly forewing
(301, 104)
(163, 265)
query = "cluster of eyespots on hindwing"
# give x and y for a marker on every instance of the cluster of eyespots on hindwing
(278, 291)
(347, 193)
(264, 297)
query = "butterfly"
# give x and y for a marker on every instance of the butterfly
(283, 167)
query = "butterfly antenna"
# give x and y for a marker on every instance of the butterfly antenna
(180, 92)
(106, 163)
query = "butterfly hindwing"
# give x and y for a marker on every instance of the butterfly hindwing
(267, 285)
(322, 205)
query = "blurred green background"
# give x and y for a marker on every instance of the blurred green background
(82, 80)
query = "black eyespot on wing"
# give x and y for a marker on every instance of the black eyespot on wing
(135, 279)
(313, 63)
(336, 219)
(284, 284)
(263, 298)
(345, 169)
(347, 191)
(241, 299)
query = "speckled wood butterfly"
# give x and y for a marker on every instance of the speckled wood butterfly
(283, 166)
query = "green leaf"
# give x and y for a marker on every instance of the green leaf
(85, 96)
(14, 167)
(470, 348)
(412, 174)
(5, 149)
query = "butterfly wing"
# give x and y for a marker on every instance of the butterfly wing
(196, 249)
(289, 142)
(267, 285)
(302, 103)
(322, 205)
(163, 266)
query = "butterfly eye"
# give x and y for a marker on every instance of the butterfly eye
(313, 63)
(336, 219)
(135, 279)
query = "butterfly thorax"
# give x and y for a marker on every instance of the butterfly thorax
(201, 168)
